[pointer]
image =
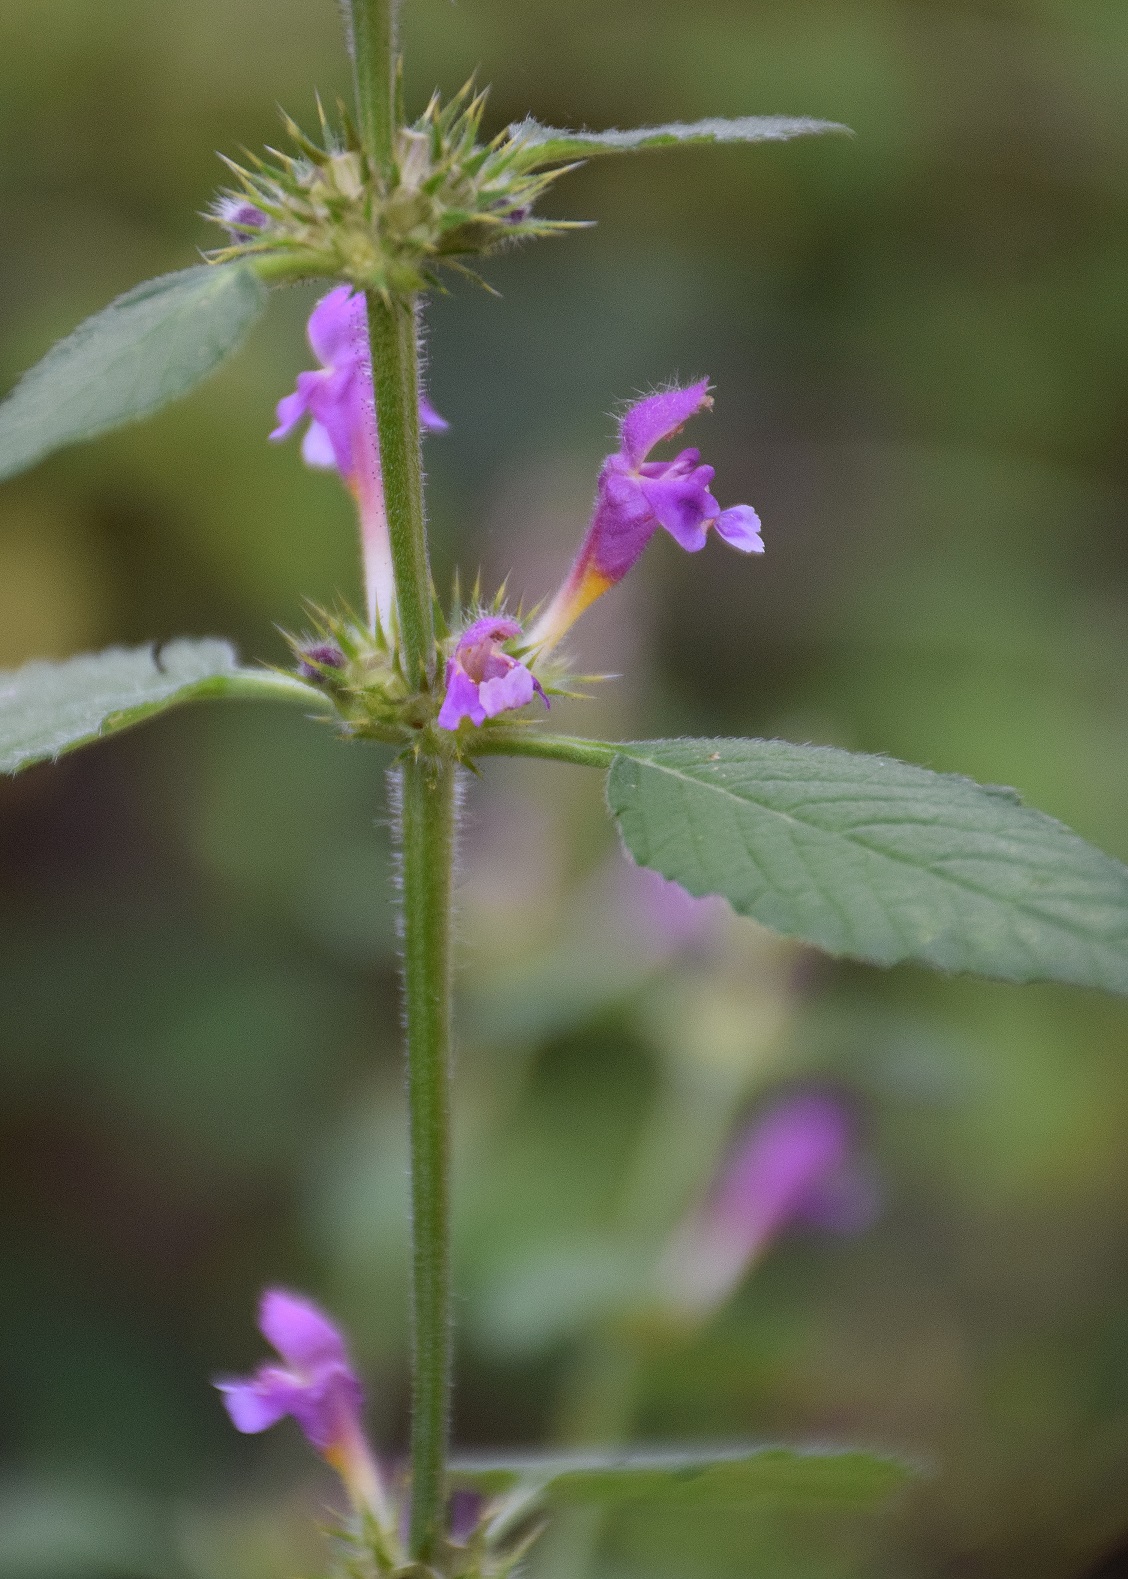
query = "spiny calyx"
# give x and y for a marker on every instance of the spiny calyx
(483, 677)
(328, 210)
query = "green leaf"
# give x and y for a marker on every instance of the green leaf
(871, 858)
(545, 145)
(47, 709)
(721, 1477)
(143, 350)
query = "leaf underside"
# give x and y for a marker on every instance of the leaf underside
(146, 348)
(544, 145)
(722, 1477)
(47, 709)
(868, 857)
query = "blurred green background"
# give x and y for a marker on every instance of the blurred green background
(919, 342)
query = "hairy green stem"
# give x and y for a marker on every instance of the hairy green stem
(553, 748)
(395, 366)
(428, 813)
(427, 795)
(373, 28)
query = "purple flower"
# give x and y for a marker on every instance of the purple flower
(675, 920)
(481, 680)
(315, 660)
(316, 1384)
(342, 431)
(635, 496)
(793, 1165)
(464, 1514)
(238, 215)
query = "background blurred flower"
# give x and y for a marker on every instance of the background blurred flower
(794, 1164)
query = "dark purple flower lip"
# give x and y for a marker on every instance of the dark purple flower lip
(314, 660)
(239, 217)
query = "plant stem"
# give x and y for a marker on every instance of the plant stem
(428, 815)
(554, 748)
(391, 328)
(428, 794)
(374, 70)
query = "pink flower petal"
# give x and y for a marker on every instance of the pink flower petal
(659, 417)
(301, 1332)
(683, 505)
(461, 700)
(290, 410)
(506, 691)
(740, 527)
(257, 1402)
(317, 448)
(338, 328)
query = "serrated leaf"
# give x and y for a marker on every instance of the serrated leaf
(146, 348)
(545, 145)
(868, 857)
(47, 709)
(736, 1476)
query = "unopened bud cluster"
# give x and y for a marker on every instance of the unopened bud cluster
(360, 671)
(327, 210)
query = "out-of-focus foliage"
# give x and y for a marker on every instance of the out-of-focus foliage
(145, 349)
(919, 341)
